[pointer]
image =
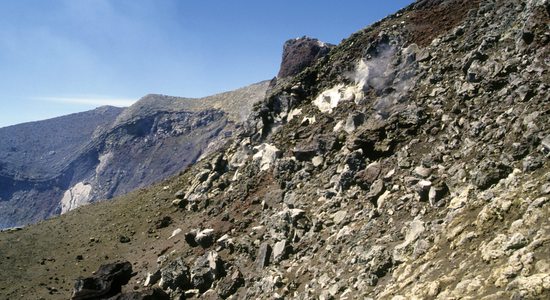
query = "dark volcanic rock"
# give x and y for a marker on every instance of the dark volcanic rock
(107, 282)
(206, 270)
(150, 294)
(175, 275)
(489, 173)
(230, 284)
(162, 223)
(300, 53)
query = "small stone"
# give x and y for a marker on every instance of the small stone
(152, 278)
(205, 238)
(178, 202)
(437, 192)
(339, 216)
(190, 238)
(230, 284)
(370, 174)
(175, 275)
(422, 189)
(164, 222)
(267, 154)
(175, 232)
(123, 239)
(376, 189)
(317, 161)
(262, 260)
(280, 250)
(433, 288)
(490, 173)
(517, 241)
(546, 143)
(180, 194)
(422, 171)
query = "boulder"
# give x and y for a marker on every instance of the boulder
(205, 238)
(190, 238)
(267, 154)
(207, 269)
(149, 294)
(107, 282)
(175, 275)
(367, 176)
(490, 173)
(228, 285)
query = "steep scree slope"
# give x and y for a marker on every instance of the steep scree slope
(400, 166)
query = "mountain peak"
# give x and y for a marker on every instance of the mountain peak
(299, 53)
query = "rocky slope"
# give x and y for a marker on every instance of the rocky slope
(411, 162)
(53, 166)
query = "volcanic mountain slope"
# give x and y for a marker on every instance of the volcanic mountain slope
(53, 166)
(33, 151)
(411, 162)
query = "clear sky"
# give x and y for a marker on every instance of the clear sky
(64, 56)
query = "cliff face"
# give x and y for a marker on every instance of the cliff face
(53, 166)
(410, 162)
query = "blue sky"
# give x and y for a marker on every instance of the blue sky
(64, 56)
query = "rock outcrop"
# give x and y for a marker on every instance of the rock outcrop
(301, 53)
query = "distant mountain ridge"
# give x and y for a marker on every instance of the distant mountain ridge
(52, 166)
(29, 151)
